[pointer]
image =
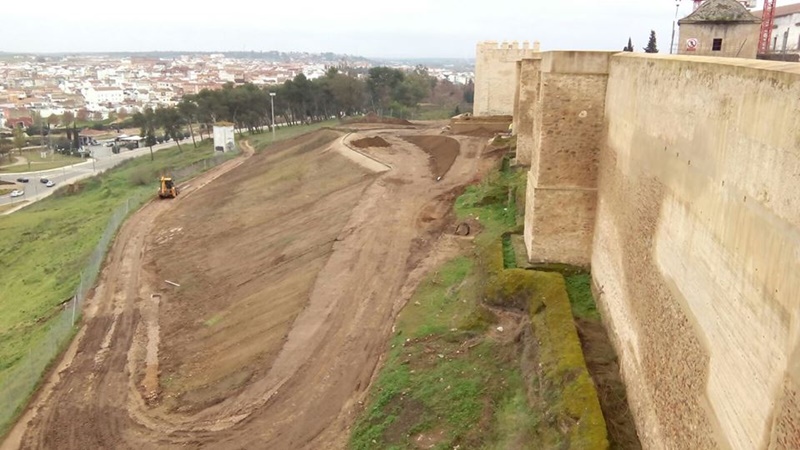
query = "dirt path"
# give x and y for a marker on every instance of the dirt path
(106, 394)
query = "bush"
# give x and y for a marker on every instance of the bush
(142, 176)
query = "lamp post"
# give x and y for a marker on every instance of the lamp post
(272, 103)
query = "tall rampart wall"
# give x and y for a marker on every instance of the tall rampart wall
(678, 178)
(496, 76)
(525, 104)
(566, 137)
(697, 247)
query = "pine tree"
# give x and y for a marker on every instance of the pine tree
(651, 44)
(629, 47)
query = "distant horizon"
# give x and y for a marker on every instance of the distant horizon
(211, 52)
(411, 29)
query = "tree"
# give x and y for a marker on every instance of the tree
(469, 92)
(83, 114)
(381, 83)
(97, 116)
(146, 122)
(52, 120)
(651, 44)
(19, 139)
(188, 110)
(67, 118)
(170, 120)
(122, 114)
(629, 47)
(76, 137)
(5, 148)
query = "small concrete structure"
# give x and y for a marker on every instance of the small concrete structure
(224, 137)
(720, 28)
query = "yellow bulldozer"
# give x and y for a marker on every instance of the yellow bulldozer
(168, 188)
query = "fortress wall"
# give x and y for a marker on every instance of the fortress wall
(527, 95)
(568, 127)
(696, 252)
(496, 76)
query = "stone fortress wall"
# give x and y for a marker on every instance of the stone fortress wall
(678, 180)
(496, 75)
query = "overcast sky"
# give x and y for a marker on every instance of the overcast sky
(373, 28)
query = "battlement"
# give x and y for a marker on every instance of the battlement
(506, 45)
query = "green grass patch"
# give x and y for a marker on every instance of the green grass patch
(509, 256)
(434, 388)
(579, 288)
(493, 203)
(264, 140)
(37, 163)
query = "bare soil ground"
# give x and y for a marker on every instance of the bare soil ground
(375, 141)
(292, 266)
(442, 149)
(371, 118)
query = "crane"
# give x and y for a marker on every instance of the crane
(767, 22)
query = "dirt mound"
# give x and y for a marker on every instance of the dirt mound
(372, 118)
(375, 141)
(442, 150)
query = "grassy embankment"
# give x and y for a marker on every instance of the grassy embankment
(262, 140)
(453, 379)
(44, 247)
(37, 163)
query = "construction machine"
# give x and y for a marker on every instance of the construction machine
(168, 188)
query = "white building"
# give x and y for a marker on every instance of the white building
(786, 28)
(224, 137)
(101, 95)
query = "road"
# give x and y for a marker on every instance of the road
(103, 160)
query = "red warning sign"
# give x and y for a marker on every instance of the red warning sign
(691, 45)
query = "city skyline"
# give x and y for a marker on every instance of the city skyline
(409, 29)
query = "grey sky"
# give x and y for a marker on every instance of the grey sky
(400, 28)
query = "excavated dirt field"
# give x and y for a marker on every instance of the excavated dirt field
(378, 119)
(443, 151)
(292, 266)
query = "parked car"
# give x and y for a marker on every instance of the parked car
(17, 193)
(44, 180)
(50, 183)
(23, 180)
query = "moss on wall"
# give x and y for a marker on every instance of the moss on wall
(573, 418)
(574, 405)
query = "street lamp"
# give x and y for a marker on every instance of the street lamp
(272, 103)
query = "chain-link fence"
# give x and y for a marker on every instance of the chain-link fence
(191, 170)
(18, 382)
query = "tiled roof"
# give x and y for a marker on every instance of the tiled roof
(716, 11)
